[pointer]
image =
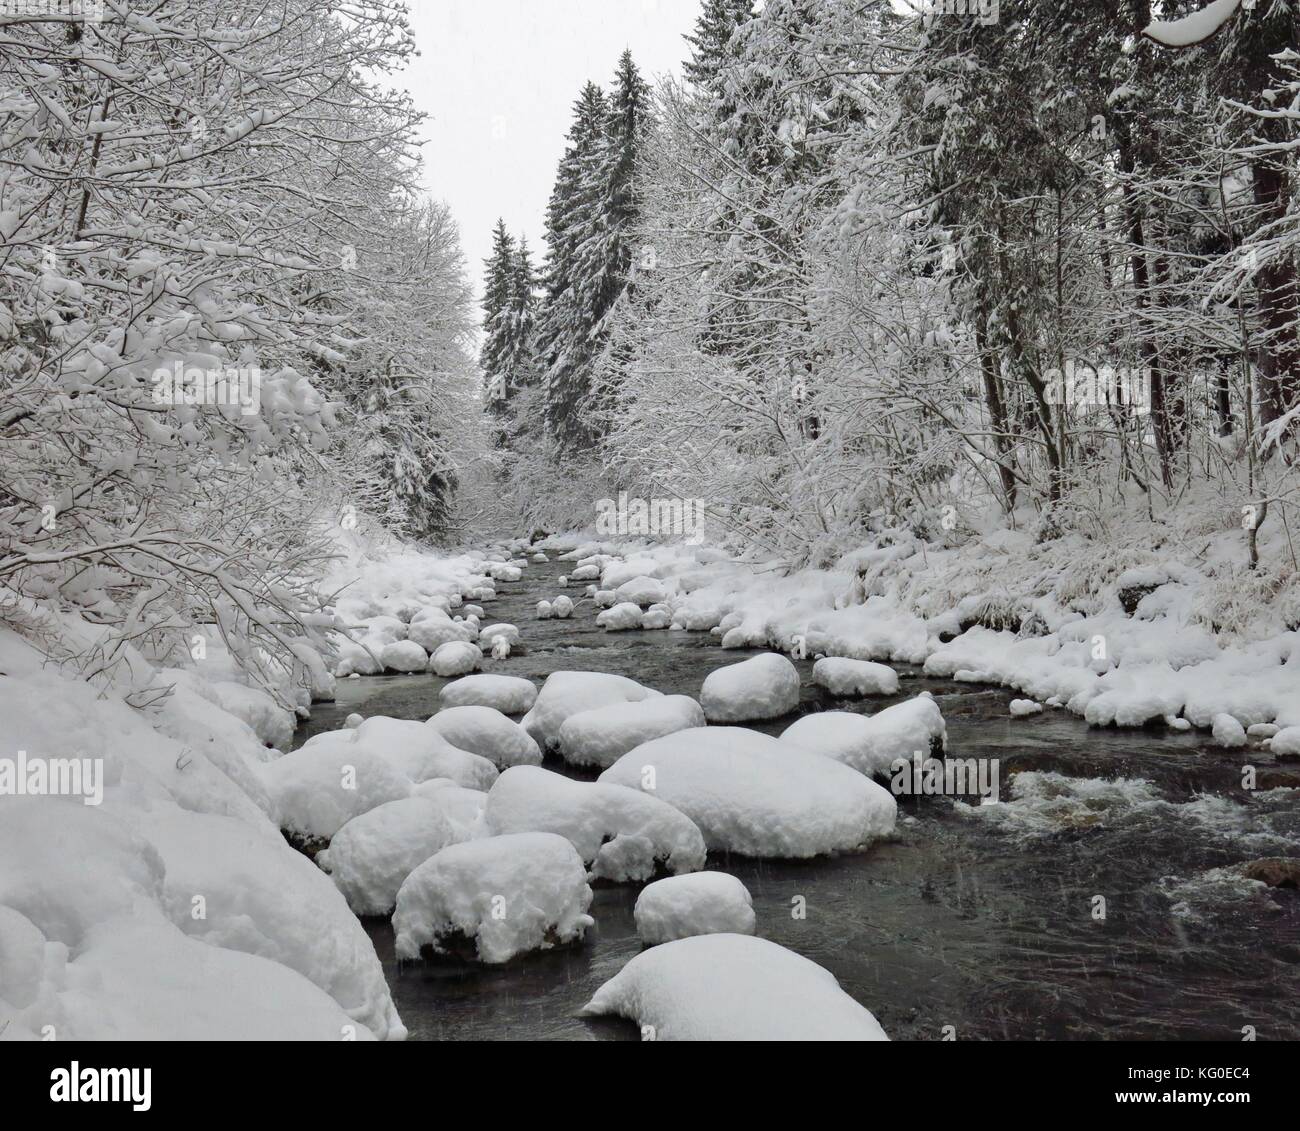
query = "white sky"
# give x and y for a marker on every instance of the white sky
(499, 78)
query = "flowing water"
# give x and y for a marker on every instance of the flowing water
(973, 922)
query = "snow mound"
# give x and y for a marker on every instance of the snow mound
(620, 618)
(622, 834)
(1285, 741)
(871, 744)
(641, 591)
(732, 988)
(1020, 708)
(372, 854)
(562, 607)
(567, 693)
(509, 894)
(601, 736)
(705, 903)
(509, 694)
(845, 678)
(763, 687)
(403, 656)
(494, 632)
(462, 807)
(750, 794)
(415, 749)
(544, 610)
(488, 733)
(321, 786)
(457, 657)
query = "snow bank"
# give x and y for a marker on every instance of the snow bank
(750, 794)
(488, 733)
(704, 903)
(508, 894)
(763, 687)
(601, 736)
(732, 988)
(622, 834)
(509, 694)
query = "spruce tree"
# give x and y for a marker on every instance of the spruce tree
(496, 317)
(710, 52)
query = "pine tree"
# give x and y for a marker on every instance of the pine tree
(497, 297)
(710, 51)
(521, 358)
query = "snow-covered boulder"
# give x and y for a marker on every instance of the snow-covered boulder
(505, 894)
(641, 591)
(657, 616)
(622, 834)
(509, 694)
(433, 634)
(763, 687)
(490, 634)
(372, 854)
(604, 598)
(462, 807)
(382, 630)
(854, 678)
(620, 618)
(319, 787)
(871, 744)
(732, 988)
(458, 657)
(562, 607)
(414, 749)
(750, 793)
(703, 903)
(403, 656)
(1023, 708)
(484, 731)
(545, 610)
(601, 736)
(1227, 731)
(567, 693)
(1285, 742)
(585, 573)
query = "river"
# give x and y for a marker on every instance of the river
(969, 925)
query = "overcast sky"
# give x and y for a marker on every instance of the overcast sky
(499, 78)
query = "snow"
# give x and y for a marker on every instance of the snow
(704, 903)
(750, 793)
(509, 694)
(1020, 708)
(456, 658)
(433, 634)
(403, 656)
(489, 733)
(462, 807)
(641, 590)
(1285, 741)
(621, 834)
(494, 632)
(731, 987)
(569, 692)
(509, 894)
(620, 618)
(562, 607)
(1227, 731)
(544, 610)
(845, 678)
(372, 854)
(1193, 28)
(763, 687)
(871, 744)
(601, 736)
(319, 787)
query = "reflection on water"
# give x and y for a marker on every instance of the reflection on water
(983, 920)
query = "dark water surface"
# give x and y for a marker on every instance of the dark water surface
(980, 920)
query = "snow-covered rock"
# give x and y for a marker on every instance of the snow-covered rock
(319, 787)
(403, 656)
(562, 607)
(732, 988)
(489, 733)
(545, 610)
(620, 618)
(458, 657)
(601, 736)
(621, 833)
(1285, 742)
(507, 894)
(567, 693)
(1020, 708)
(490, 634)
(1227, 731)
(433, 634)
(762, 687)
(509, 694)
(845, 678)
(703, 903)
(871, 744)
(372, 854)
(462, 807)
(641, 591)
(750, 793)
